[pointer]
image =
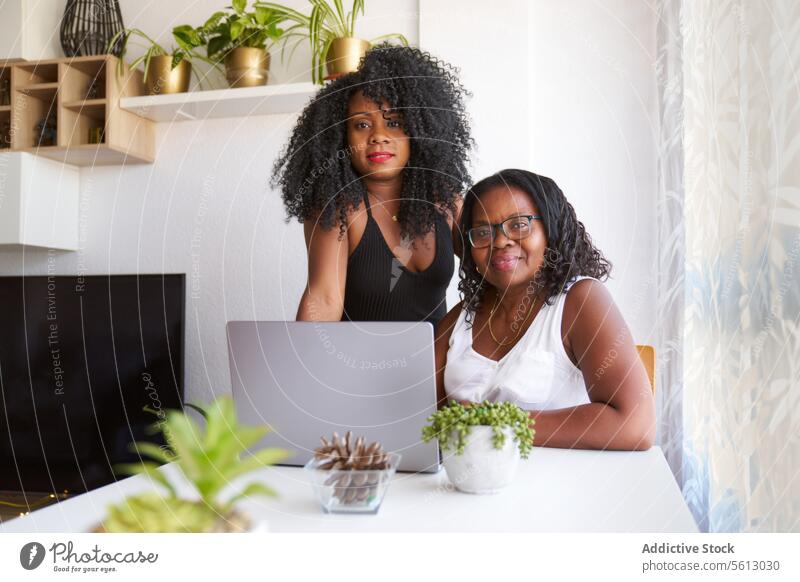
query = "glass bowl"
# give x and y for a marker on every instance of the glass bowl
(343, 491)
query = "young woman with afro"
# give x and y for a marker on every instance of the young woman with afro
(374, 169)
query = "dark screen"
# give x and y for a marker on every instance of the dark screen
(86, 365)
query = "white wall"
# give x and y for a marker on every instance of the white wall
(495, 71)
(542, 100)
(593, 126)
(29, 29)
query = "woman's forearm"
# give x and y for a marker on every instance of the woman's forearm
(316, 307)
(593, 426)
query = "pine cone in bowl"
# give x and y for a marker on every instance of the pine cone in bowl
(350, 462)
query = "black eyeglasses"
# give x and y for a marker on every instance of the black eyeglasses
(514, 228)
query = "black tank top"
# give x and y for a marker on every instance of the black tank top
(380, 288)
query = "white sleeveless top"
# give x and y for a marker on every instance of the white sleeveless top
(536, 374)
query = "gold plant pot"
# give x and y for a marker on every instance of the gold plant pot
(345, 54)
(163, 79)
(247, 67)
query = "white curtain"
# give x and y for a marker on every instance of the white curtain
(729, 236)
(671, 237)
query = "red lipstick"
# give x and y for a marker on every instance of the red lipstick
(380, 157)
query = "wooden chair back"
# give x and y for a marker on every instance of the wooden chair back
(648, 356)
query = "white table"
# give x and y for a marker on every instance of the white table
(555, 490)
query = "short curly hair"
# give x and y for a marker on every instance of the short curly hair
(569, 253)
(314, 172)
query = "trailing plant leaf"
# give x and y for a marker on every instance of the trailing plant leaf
(394, 35)
(213, 20)
(237, 27)
(357, 5)
(263, 15)
(217, 45)
(177, 58)
(124, 37)
(187, 37)
(451, 425)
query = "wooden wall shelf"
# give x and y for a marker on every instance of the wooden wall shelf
(78, 95)
(38, 88)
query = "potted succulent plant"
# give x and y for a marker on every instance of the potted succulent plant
(209, 460)
(331, 32)
(165, 71)
(350, 476)
(240, 39)
(481, 443)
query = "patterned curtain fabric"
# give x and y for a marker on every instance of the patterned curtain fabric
(730, 295)
(671, 237)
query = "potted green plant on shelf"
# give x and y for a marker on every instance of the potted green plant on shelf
(241, 40)
(481, 443)
(331, 32)
(209, 460)
(165, 71)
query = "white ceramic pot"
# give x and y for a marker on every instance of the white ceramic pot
(483, 468)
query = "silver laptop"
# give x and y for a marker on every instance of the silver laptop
(310, 379)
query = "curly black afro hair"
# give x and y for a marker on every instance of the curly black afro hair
(569, 253)
(314, 171)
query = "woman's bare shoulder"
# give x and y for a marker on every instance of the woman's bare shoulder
(586, 298)
(448, 322)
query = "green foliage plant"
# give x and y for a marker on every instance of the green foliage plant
(237, 27)
(326, 22)
(187, 39)
(153, 49)
(452, 424)
(210, 458)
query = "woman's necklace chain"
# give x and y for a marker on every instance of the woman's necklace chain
(516, 335)
(381, 204)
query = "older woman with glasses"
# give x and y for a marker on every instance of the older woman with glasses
(536, 325)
